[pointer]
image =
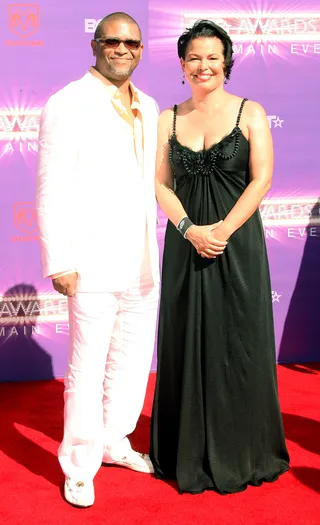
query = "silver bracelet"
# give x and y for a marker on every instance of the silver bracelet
(184, 226)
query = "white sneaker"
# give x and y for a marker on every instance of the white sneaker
(79, 493)
(134, 461)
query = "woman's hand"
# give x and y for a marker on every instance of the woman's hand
(219, 234)
(205, 241)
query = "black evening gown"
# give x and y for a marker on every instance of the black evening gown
(216, 421)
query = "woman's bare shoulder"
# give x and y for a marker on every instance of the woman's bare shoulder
(253, 109)
(182, 107)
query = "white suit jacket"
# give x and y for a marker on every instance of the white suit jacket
(84, 187)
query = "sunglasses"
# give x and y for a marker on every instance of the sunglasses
(115, 42)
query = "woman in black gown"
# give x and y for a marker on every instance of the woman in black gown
(216, 422)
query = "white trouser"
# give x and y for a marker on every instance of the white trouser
(111, 345)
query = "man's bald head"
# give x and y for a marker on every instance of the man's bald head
(115, 17)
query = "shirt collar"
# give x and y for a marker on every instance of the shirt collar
(112, 89)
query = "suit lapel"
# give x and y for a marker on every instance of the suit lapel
(145, 128)
(149, 122)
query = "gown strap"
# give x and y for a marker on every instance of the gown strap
(240, 111)
(174, 125)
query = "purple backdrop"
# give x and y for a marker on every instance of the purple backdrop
(46, 45)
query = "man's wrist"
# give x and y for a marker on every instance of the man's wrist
(61, 274)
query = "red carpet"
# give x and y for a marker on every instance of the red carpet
(31, 481)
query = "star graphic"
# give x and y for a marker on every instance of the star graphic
(278, 123)
(227, 26)
(275, 297)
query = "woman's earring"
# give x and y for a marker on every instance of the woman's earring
(183, 81)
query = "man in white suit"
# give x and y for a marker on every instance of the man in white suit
(97, 218)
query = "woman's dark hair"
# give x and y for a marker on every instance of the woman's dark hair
(208, 29)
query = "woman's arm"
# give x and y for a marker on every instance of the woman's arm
(168, 201)
(260, 166)
(199, 236)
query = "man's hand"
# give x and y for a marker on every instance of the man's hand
(204, 240)
(66, 284)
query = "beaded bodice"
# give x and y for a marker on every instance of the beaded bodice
(205, 163)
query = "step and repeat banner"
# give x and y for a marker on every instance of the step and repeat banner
(46, 45)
